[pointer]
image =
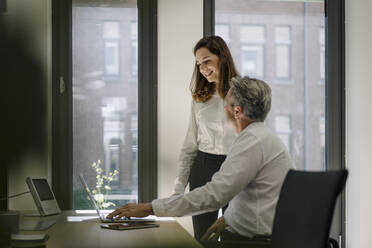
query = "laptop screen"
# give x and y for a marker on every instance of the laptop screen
(91, 197)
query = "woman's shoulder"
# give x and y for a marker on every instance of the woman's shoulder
(212, 100)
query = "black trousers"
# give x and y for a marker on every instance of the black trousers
(229, 236)
(205, 165)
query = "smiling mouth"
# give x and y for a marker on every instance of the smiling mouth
(209, 74)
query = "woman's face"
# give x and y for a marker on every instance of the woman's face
(209, 64)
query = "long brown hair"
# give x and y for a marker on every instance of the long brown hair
(200, 88)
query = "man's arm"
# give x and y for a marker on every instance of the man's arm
(215, 230)
(239, 169)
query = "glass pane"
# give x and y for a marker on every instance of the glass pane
(252, 60)
(282, 34)
(282, 61)
(105, 90)
(283, 129)
(111, 30)
(282, 42)
(283, 124)
(223, 31)
(111, 57)
(252, 33)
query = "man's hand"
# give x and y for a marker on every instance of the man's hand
(132, 210)
(214, 230)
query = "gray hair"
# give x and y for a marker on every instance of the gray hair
(252, 95)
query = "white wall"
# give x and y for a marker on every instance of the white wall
(180, 26)
(358, 123)
(34, 17)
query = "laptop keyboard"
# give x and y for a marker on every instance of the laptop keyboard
(115, 220)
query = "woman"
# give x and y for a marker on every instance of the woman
(209, 136)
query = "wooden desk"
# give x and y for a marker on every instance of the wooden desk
(88, 233)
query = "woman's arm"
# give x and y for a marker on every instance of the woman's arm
(188, 154)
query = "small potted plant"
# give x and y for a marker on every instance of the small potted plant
(103, 185)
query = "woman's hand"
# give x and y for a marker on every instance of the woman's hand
(132, 210)
(214, 230)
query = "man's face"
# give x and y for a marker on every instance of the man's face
(229, 111)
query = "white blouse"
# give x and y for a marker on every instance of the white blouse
(208, 131)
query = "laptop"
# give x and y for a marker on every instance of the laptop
(102, 216)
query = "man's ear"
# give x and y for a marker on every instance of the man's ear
(237, 111)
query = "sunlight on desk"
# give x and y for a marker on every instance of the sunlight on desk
(80, 218)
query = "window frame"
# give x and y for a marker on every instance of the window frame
(335, 100)
(62, 145)
(335, 96)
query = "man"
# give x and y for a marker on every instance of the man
(250, 178)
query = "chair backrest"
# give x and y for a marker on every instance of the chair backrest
(305, 208)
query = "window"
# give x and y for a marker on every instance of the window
(322, 142)
(252, 38)
(283, 129)
(101, 122)
(134, 50)
(322, 55)
(223, 30)
(112, 57)
(111, 35)
(283, 54)
(100, 116)
(282, 32)
(314, 43)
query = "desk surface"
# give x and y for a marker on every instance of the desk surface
(88, 233)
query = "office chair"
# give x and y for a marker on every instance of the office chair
(303, 214)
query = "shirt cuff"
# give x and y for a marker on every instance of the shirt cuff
(158, 208)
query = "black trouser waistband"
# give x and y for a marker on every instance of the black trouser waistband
(201, 154)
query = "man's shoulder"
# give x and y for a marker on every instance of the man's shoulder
(256, 129)
(259, 133)
(249, 136)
